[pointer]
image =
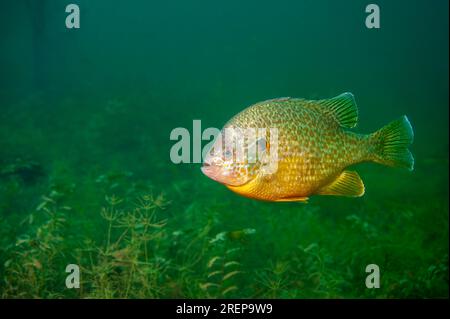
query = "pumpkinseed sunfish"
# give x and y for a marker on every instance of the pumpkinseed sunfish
(313, 150)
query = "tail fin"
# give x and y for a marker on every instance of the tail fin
(391, 144)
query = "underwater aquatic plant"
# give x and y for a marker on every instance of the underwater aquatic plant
(274, 279)
(220, 281)
(223, 267)
(31, 266)
(127, 265)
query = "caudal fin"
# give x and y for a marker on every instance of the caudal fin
(391, 144)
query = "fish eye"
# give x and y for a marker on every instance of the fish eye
(228, 153)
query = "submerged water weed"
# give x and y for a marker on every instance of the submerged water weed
(273, 280)
(223, 269)
(127, 265)
(221, 272)
(31, 269)
(188, 249)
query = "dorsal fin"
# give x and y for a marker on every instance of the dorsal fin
(343, 109)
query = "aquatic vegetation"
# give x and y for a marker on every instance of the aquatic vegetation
(124, 266)
(127, 265)
(30, 268)
(274, 279)
(223, 269)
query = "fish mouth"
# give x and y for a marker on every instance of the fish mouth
(210, 171)
(215, 173)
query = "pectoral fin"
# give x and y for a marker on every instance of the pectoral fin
(348, 183)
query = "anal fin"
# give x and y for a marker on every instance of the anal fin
(348, 183)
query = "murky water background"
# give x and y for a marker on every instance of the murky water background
(86, 114)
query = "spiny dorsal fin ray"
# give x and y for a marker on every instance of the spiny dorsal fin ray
(347, 184)
(343, 109)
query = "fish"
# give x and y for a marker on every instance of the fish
(311, 150)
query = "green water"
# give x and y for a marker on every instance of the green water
(85, 172)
